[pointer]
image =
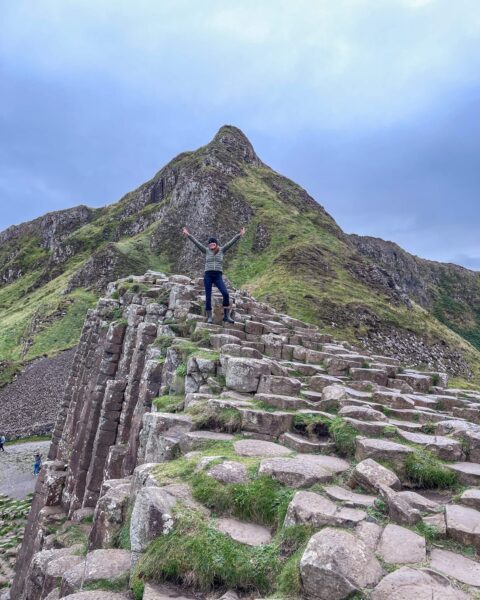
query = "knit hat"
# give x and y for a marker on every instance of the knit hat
(213, 240)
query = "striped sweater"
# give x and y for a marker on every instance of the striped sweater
(214, 262)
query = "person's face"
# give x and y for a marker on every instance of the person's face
(212, 245)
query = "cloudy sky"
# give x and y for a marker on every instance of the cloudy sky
(372, 105)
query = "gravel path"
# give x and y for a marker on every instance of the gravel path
(16, 468)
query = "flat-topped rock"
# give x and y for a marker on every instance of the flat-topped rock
(197, 440)
(304, 469)
(229, 472)
(112, 564)
(336, 564)
(371, 476)
(407, 583)
(266, 423)
(309, 508)
(399, 545)
(283, 402)
(471, 498)
(245, 533)
(347, 497)
(259, 448)
(380, 449)
(468, 473)
(463, 524)
(444, 447)
(417, 381)
(456, 566)
(362, 413)
(419, 502)
(243, 374)
(304, 445)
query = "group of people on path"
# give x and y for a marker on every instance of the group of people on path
(213, 273)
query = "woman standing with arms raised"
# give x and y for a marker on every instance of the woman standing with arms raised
(214, 254)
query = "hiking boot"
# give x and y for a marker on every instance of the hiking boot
(209, 316)
(226, 315)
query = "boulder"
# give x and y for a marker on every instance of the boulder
(347, 497)
(362, 413)
(371, 475)
(444, 447)
(471, 498)
(399, 510)
(336, 564)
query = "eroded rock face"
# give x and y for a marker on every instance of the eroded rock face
(336, 564)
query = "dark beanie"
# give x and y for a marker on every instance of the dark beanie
(213, 240)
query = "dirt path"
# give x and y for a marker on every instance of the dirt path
(16, 468)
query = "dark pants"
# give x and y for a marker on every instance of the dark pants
(215, 278)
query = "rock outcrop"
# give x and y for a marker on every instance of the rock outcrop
(190, 451)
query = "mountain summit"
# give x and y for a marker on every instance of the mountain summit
(294, 255)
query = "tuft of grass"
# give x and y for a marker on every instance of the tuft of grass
(343, 435)
(169, 404)
(426, 471)
(181, 370)
(224, 419)
(261, 500)
(289, 582)
(108, 585)
(429, 532)
(197, 554)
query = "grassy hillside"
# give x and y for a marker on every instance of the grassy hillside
(294, 256)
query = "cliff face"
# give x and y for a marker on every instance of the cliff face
(186, 452)
(294, 256)
(450, 292)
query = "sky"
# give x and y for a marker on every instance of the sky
(373, 106)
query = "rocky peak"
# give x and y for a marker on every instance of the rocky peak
(234, 141)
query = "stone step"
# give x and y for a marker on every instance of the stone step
(468, 473)
(382, 450)
(309, 508)
(284, 402)
(444, 447)
(267, 423)
(349, 498)
(243, 532)
(303, 470)
(306, 445)
(198, 440)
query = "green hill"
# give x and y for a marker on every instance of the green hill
(294, 255)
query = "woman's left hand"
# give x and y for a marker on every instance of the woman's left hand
(242, 231)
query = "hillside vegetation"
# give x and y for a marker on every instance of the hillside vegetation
(294, 256)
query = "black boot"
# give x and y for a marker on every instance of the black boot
(226, 315)
(209, 316)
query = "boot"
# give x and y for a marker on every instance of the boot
(226, 315)
(209, 316)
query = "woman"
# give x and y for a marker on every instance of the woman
(213, 271)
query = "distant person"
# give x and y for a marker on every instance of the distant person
(37, 464)
(213, 271)
(2, 443)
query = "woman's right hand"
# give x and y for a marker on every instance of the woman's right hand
(185, 231)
